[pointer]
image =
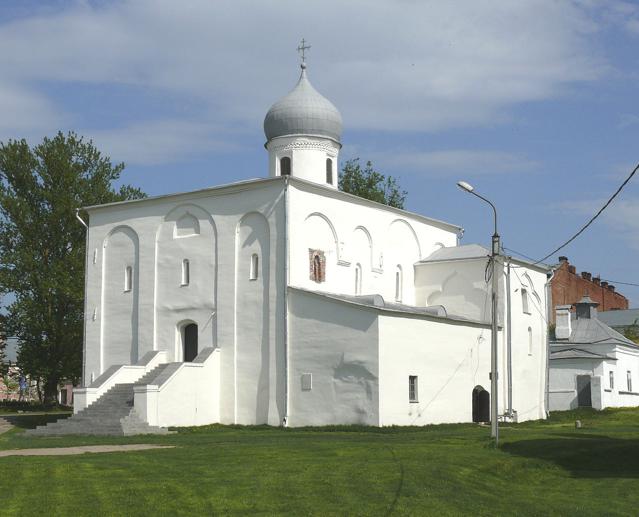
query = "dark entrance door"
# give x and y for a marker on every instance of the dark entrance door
(481, 405)
(190, 342)
(583, 391)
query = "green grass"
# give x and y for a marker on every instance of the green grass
(541, 468)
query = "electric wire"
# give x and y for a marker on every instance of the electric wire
(592, 219)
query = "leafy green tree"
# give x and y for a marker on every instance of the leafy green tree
(371, 184)
(4, 366)
(632, 331)
(42, 248)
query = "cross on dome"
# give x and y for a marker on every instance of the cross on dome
(302, 48)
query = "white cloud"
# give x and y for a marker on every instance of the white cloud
(398, 66)
(159, 142)
(469, 162)
(621, 217)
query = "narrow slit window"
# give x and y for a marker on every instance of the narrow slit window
(358, 279)
(398, 284)
(629, 379)
(412, 388)
(285, 166)
(524, 301)
(255, 261)
(128, 278)
(530, 341)
(611, 376)
(329, 171)
(186, 272)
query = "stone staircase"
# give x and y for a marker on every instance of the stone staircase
(112, 414)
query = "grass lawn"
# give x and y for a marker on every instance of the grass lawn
(541, 468)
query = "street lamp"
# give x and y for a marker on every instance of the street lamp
(494, 425)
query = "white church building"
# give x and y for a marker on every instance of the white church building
(284, 301)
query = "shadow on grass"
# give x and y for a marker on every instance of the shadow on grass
(583, 455)
(29, 421)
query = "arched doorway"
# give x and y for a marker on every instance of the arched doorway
(481, 405)
(190, 342)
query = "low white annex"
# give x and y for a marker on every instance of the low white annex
(591, 364)
(285, 301)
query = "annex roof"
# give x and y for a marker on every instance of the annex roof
(472, 252)
(578, 353)
(591, 331)
(376, 301)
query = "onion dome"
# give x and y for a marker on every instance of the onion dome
(304, 111)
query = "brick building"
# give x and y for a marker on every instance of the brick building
(568, 288)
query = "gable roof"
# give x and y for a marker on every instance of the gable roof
(472, 252)
(578, 353)
(591, 331)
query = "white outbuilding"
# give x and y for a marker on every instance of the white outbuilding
(284, 301)
(591, 364)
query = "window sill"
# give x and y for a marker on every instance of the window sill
(608, 390)
(628, 393)
(413, 401)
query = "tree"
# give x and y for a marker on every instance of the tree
(632, 331)
(371, 184)
(42, 248)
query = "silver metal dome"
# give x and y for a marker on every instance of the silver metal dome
(304, 111)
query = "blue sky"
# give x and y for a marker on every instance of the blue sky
(534, 103)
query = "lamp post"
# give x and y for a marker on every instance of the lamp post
(494, 425)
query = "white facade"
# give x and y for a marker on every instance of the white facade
(591, 364)
(283, 301)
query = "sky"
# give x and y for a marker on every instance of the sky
(534, 103)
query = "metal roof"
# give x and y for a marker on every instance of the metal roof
(592, 331)
(304, 111)
(471, 252)
(578, 353)
(622, 318)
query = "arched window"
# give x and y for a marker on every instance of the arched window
(128, 278)
(329, 171)
(285, 166)
(398, 283)
(253, 273)
(524, 302)
(358, 279)
(530, 341)
(186, 272)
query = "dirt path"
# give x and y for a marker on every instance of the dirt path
(67, 451)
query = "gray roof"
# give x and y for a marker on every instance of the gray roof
(474, 251)
(619, 318)
(592, 331)
(578, 353)
(304, 111)
(464, 252)
(377, 301)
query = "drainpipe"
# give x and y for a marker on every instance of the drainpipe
(548, 319)
(509, 351)
(86, 272)
(286, 284)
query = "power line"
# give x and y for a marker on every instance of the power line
(592, 219)
(618, 282)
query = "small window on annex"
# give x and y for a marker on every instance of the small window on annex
(255, 261)
(530, 341)
(329, 171)
(186, 272)
(398, 283)
(524, 302)
(285, 166)
(358, 279)
(629, 378)
(128, 278)
(611, 377)
(412, 388)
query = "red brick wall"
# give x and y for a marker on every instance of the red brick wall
(568, 287)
